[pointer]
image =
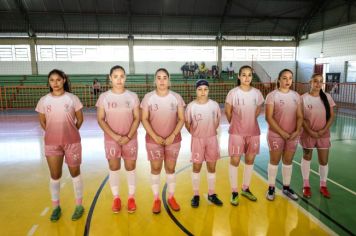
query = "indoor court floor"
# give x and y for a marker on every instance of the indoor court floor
(25, 200)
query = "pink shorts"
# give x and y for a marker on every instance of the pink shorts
(239, 145)
(161, 152)
(319, 143)
(127, 151)
(71, 152)
(280, 144)
(205, 149)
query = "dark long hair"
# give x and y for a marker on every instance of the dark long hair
(240, 71)
(66, 85)
(117, 67)
(280, 74)
(324, 98)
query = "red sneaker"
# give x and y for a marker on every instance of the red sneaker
(173, 204)
(307, 192)
(156, 206)
(116, 205)
(131, 205)
(324, 191)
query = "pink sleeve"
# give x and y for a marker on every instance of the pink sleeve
(298, 98)
(100, 102)
(187, 113)
(181, 102)
(144, 103)
(39, 107)
(77, 104)
(260, 98)
(137, 101)
(229, 98)
(270, 98)
(331, 100)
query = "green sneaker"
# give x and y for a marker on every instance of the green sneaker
(78, 212)
(247, 193)
(56, 214)
(234, 199)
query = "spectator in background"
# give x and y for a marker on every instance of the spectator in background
(230, 70)
(185, 70)
(203, 71)
(215, 71)
(96, 87)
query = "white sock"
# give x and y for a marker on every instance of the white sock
(54, 187)
(196, 182)
(78, 189)
(114, 182)
(323, 172)
(287, 174)
(247, 176)
(155, 181)
(131, 182)
(233, 173)
(272, 174)
(171, 182)
(305, 167)
(211, 183)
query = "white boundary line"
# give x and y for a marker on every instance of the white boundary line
(32, 230)
(44, 212)
(332, 181)
(311, 216)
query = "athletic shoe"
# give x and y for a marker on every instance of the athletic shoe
(289, 193)
(131, 205)
(156, 206)
(116, 205)
(247, 193)
(234, 199)
(324, 191)
(271, 193)
(195, 201)
(173, 204)
(78, 212)
(307, 192)
(56, 214)
(215, 200)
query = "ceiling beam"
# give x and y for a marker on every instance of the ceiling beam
(25, 17)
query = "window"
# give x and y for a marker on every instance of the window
(258, 53)
(351, 71)
(14, 53)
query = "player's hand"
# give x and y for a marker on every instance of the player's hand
(159, 140)
(170, 139)
(293, 135)
(321, 132)
(285, 135)
(117, 138)
(124, 140)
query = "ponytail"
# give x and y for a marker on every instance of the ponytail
(325, 100)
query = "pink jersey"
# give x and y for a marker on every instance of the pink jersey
(60, 118)
(244, 105)
(118, 111)
(314, 112)
(285, 107)
(203, 118)
(163, 113)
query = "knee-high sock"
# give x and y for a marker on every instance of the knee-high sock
(305, 167)
(131, 182)
(155, 181)
(211, 183)
(196, 183)
(323, 172)
(287, 174)
(78, 189)
(171, 183)
(114, 179)
(272, 174)
(247, 176)
(54, 187)
(233, 174)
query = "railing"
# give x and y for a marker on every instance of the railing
(261, 72)
(26, 97)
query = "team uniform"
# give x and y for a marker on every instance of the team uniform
(244, 135)
(204, 118)
(315, 114)
(163, 117)
(285, 106)
(62, 138)
(119, 115)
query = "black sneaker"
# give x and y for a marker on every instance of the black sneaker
(215, 200)
(271, 194)
(290, 193)
(195, 201)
